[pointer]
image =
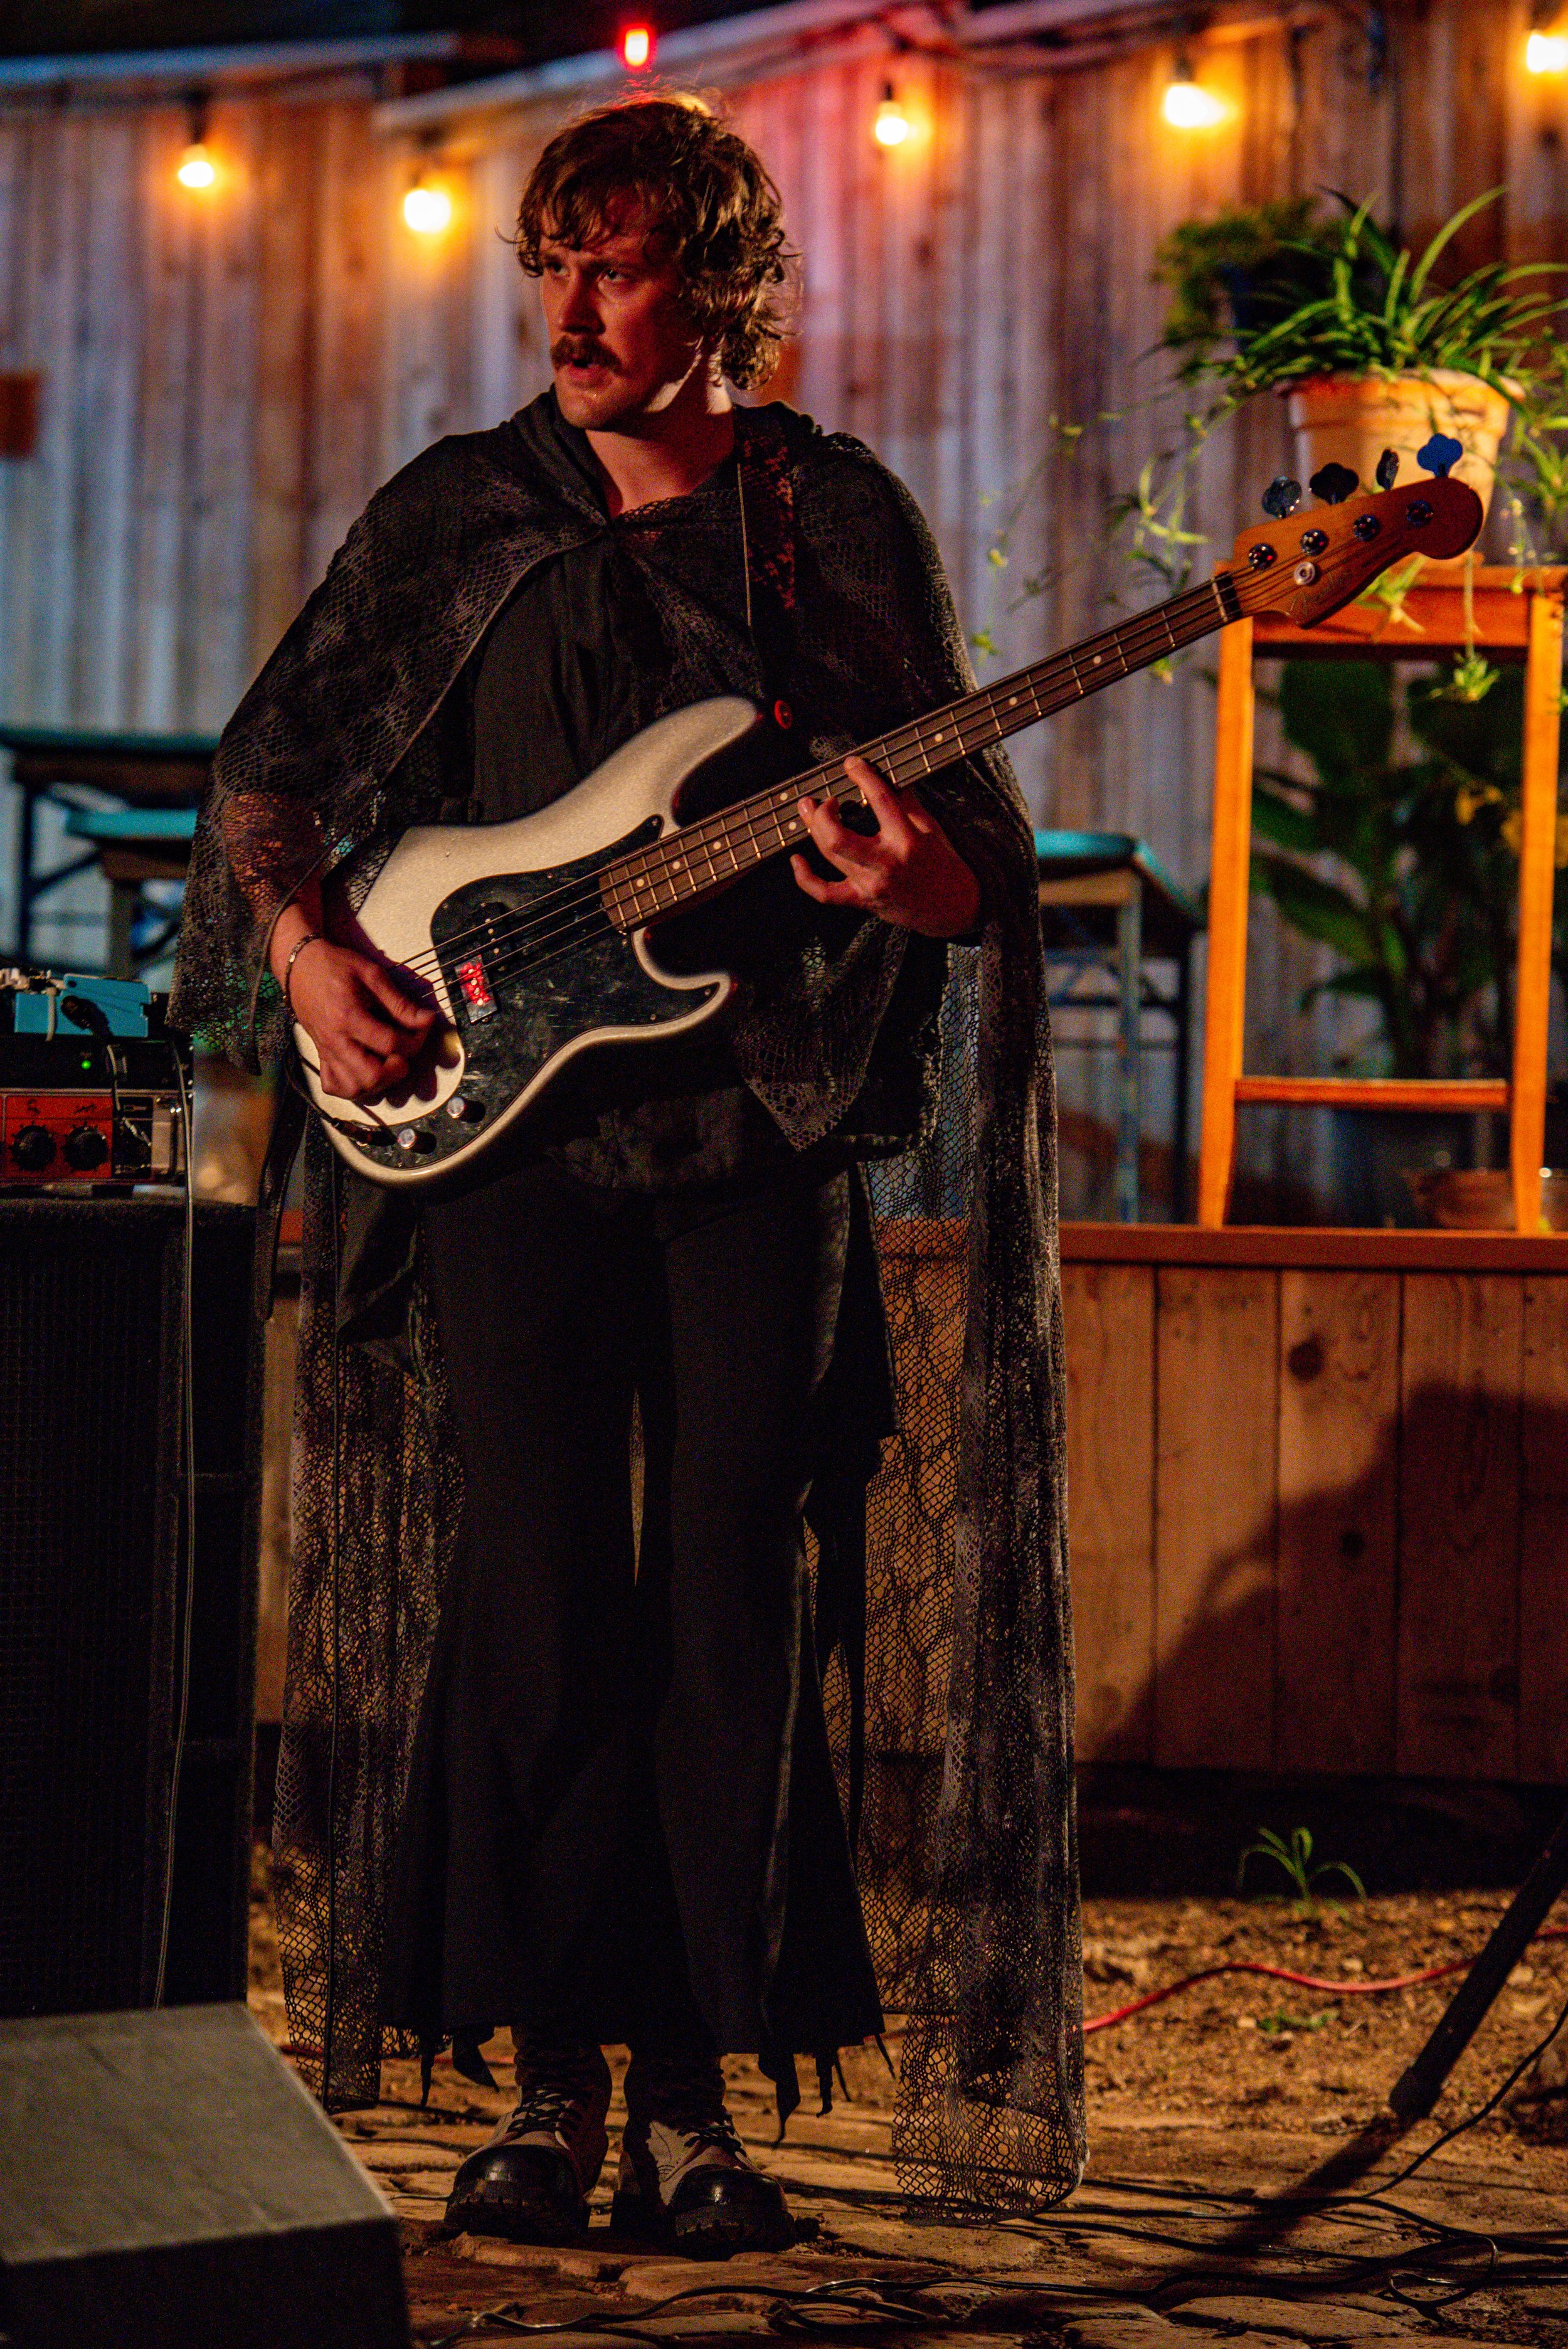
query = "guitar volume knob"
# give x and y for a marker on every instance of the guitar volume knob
(463, 1111)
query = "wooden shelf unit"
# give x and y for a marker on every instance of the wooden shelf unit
(1513, 617)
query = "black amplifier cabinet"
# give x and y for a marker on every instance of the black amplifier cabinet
(92, 1601)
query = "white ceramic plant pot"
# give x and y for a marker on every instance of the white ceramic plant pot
(1350, 420)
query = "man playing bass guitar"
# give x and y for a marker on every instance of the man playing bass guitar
(557, 1756)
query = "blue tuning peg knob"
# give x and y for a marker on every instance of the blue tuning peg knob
(1441, 455)
(1387, 468)
(1282, 497)
(1333, 484)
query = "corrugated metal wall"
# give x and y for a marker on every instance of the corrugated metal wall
(228, 375)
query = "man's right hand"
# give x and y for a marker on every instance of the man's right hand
(366, 1030)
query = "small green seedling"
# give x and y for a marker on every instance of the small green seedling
(1276, 2026)
(1295, 1858)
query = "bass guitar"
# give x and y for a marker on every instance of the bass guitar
(534, 940)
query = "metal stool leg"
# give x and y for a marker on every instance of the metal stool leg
(122, 897)
(1129, 1055)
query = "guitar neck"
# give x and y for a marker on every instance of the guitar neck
(702, 858)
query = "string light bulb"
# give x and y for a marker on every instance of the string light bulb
(196, 167)
(1187, 104)
(893, 125)
(637, 47)
(428, 210)
(1546, 53)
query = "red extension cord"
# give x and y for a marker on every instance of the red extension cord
(1302, 1981)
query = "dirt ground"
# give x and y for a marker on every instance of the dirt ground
(1206, 2115)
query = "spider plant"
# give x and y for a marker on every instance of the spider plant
(1270, 298)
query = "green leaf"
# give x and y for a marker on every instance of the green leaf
(1318, 909)
(1341, 713)
(1283, 822)
(1445, 236)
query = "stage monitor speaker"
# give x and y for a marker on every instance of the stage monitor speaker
(92, 1602)
(165, 2181)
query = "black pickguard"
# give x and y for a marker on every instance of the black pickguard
(531, 964)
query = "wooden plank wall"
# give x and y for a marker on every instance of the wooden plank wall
(229, 376)
(1319, 1518)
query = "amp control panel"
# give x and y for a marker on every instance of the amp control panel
(48, 1137)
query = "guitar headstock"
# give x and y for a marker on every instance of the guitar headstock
(1305, 565)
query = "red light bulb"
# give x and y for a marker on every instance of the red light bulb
(636, 47)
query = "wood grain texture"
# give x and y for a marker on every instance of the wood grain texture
(1543, 1535)
(1460, 1525)
(1343, 1248)
(1225, 1018)
(980, 305)
(1338, 1520)
(1537, 882)
(1216, 1469)
(1110, 1315)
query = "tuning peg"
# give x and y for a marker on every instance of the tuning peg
(1441, 455)
(1282, 497)
(1387, 468)
(1333, 484)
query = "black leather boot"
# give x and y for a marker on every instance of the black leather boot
(531, 2182)
(685, 2179)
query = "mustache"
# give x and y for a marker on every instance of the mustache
(581, 350)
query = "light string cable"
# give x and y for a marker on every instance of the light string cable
(188, 1548)
(565, 917)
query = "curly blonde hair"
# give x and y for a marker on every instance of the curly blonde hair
(709, 199)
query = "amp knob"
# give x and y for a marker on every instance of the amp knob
(85, 1148)
(33, 1148)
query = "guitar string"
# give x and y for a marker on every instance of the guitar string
(903, 757)
(538, 948)
(733, 826)
(565, 910)
(576, 900)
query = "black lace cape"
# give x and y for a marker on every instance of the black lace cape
(954, 1667)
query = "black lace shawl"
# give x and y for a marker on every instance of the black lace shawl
(954, 1674)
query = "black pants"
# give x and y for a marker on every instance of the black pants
(622, 1821)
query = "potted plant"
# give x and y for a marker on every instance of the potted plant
(1405, 861)
(1370, 349)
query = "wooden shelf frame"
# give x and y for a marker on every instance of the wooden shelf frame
(1513, 616)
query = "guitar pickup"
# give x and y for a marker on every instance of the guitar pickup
(475, 985)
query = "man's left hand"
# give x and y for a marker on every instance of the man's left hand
(907, 871)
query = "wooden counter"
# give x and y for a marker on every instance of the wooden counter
(1318, 1498)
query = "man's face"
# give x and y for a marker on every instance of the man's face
(621, 343)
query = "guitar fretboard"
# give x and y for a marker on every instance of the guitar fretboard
(702, 858)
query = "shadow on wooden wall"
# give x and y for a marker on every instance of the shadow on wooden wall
(1318, 1520)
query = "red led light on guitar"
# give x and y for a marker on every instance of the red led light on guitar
(476, 990)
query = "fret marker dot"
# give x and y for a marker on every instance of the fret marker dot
(1097, 660)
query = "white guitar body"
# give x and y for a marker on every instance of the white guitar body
(510, 1027)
